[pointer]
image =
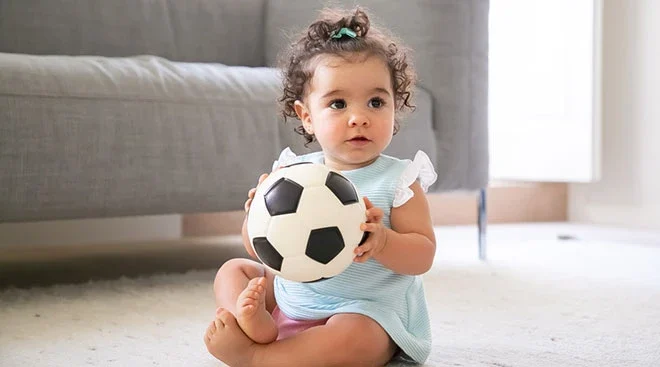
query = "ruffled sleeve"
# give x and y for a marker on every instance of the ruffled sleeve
(419, 168)
(286, 158)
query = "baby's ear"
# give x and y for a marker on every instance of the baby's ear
(302, 112)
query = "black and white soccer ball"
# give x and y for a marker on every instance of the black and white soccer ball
(304, 222)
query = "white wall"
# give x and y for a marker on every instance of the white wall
(91, 231)
(629, 192)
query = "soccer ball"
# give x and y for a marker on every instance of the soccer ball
(304, 222)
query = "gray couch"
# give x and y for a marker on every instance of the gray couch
(129, 107)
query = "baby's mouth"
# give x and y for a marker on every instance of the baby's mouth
(359, 138)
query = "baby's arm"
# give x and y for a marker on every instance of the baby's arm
(409, 247)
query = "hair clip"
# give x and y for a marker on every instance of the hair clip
(343, 32)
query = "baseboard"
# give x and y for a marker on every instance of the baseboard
(25, 266)
(507, 202)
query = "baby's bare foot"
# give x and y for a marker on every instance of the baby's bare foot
(251, 313)
(226, 341)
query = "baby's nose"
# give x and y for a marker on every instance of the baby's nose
(358, 120)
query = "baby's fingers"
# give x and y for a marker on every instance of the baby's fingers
(361, 253)
(369, 227)
(365, 247)
(247, 205)
(361, 259)
(374, 215)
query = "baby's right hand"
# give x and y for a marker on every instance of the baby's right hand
(252, 191)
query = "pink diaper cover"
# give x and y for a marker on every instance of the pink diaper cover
(287, 327)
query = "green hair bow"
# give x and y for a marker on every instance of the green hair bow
(343, 32)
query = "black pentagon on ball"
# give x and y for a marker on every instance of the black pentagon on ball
(324, 244)
(267, 253)
(283, 197)
(342, 188)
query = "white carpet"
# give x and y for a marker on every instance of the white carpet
(537, 302)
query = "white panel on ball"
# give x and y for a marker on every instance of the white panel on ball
(299, 268)
(259, 218)
(288, 234)
(307, 174)
(322, 203)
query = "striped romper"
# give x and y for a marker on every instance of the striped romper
(395, 301)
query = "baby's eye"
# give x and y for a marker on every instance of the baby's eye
(376, 102)
(338, 104)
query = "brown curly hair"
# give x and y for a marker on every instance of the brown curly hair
(299, 60)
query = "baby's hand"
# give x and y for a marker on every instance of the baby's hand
(252, 191)
(377, 239)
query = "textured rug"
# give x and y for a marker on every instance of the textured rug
(593, 300)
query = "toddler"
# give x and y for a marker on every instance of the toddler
(345, 81)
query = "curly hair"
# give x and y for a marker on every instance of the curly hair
(300, 59)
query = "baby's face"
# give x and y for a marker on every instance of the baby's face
(350, 110)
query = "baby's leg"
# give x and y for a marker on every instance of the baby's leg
(245, 288)
(345, 340)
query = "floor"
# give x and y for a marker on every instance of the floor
(548, 295)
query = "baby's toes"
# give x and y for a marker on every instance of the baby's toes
(251, 294)
(226, 319)
(248, 304)
(256, 284)
(210, 331)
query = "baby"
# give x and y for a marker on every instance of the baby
(345, 80)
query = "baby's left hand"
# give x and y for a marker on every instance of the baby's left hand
(377, 239)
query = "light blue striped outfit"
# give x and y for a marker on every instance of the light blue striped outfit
(395, 301)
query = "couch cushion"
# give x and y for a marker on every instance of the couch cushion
(99, 137)
(225, 31)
